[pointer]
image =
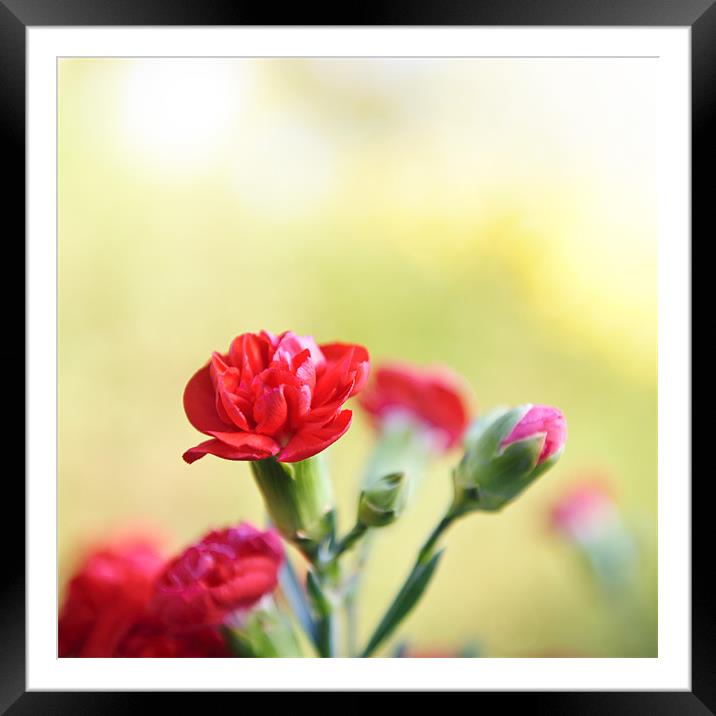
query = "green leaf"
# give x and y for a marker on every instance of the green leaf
(404, 602)
(296, 597)
(320, 601)
(325, 622)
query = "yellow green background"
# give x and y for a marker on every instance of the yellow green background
(497, 216)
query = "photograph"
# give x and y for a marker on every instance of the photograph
(357, 357)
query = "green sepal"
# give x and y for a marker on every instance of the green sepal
(264, 634)
(507, 475)
(299, 500)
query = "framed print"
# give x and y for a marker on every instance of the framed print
(360, 352)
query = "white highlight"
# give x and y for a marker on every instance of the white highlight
(178, 110)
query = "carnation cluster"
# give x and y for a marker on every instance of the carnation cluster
(277, 402)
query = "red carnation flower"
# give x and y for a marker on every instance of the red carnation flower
(274, 395)
(226, 571)
(106, 597)
(150, 639)
(434, 397)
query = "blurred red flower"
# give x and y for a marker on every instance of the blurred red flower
(274, 396)
(434, 397)
(227, 570)
(106, 597)
(151, 639)
(584, 509)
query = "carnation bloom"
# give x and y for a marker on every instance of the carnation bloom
(226, 571)
(274, 396)
(106, 597)
(433, 397)
(151, 639)
(541, 420)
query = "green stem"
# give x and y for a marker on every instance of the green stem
(351, 622)
(352, 592)
(428, 549)
(322, 584)
(345, 544)
(413, 587)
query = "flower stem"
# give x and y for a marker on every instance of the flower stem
(413, 587)
(428, 548)
(320, 585)
(345, 544)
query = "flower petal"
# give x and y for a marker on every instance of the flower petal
(311, 440)
(200, 402)
(234, 446)
(299, 403)
(255, 576)
(356, 367)
(541, 419)
(250, 353)
(335, 375)
(434, 396)
(230, 403)
(270, 411)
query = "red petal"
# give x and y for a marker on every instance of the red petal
(249, 352)
(434, 396)
(327, 411)
(334, 376)
(310, 441)
(255, 577)
(299, 403)
(251, 447)
(109, 629)
(305, 369)
(200, 402)
(229, 402)
(270, 411)
(355, 368)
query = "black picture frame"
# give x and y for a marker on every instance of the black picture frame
(699, 15)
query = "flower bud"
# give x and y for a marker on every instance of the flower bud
(299, 500)
(381, 503)
(506, 451)
(585, 512)
(587, 516)
(263, 632)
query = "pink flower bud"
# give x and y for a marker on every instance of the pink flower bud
(584, 510)
(541, 420)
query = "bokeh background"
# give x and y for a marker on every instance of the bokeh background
(497, 216)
